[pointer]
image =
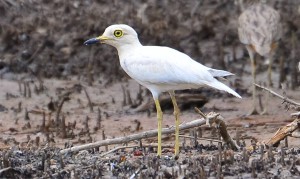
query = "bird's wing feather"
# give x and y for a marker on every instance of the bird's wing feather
(219, 73)
(153, 65)
(158, 65)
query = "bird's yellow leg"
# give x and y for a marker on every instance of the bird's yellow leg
(176, 114)
(159, 121)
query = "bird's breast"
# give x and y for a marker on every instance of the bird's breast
(140, 68)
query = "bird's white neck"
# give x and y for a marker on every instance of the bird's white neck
(127, 48)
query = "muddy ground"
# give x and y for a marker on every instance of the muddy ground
(46, 73)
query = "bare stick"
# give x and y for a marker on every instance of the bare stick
(278, 95)
(283, 132)
(29, 89)
(59, 110)
(143, 135)
(63, 127)
(25, 90)
(43, 127)
(296, 134)
(129, 100)
(219, 120)
(99, 119)
(90, 67)
(124, 96)
(36, 52)
(296, 114)
(4, 170)
(117, 148)
(133, 146)
(89, 100)
(200, 138)
(104, 138)
(20, 87)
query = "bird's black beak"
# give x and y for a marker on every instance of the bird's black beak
(92, 41)
(100, 39)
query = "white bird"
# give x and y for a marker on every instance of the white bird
(160, 69)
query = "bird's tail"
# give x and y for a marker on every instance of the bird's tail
(220, 86)
(219, 73)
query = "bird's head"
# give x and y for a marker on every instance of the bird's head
(117, 36)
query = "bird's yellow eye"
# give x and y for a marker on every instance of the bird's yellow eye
(118, 33)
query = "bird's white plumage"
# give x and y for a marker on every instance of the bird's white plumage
(161, 68)
(164, 69)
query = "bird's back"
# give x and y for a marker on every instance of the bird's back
(163, 69)
(260, 27)
(162, 65)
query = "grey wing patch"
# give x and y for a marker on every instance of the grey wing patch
(219, 73)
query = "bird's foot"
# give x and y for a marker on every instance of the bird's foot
(264, 112)
(176, 150)
(253, 111)
(158, 155)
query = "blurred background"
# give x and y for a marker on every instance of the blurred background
(44, 38)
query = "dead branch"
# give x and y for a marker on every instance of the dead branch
(288, 130)
(278, 95)
(89, 100)
(118, 148)
(36, 52)
(139, 136)
(4, 170)
(133, 146)
(59, 109)
(296, 114)
(296, 134)
(201, 138)
(90, 67)
(219, 120)
(283, 132)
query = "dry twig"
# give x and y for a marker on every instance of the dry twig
(201, 138)
(288, 130)
(5, 169)
(219, 120)
(133, 146)
(296, 114)
(278, 95)
(214, 117)
(143, 135)
(283, 132)
(296, 134)
(89, 100)
(59, 109)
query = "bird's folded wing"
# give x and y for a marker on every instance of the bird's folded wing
(158, 65)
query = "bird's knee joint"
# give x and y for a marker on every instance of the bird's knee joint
(176, 113)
